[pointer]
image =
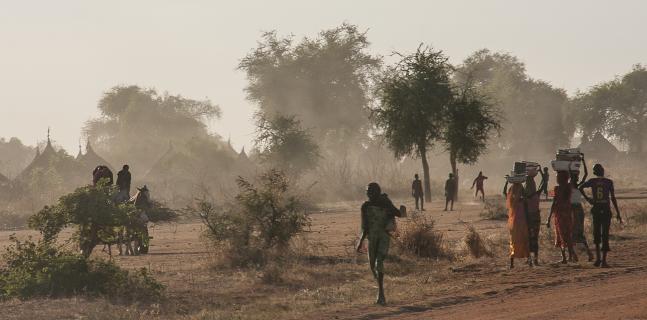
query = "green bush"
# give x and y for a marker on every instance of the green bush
(41, 269)
(259, 224)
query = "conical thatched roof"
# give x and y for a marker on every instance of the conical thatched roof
(598, 147)
(91, 159)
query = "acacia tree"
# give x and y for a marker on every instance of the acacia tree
(413, 97)
(470, 122)
(617, 108)
(284, 144)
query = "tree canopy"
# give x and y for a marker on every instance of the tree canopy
(324, 81)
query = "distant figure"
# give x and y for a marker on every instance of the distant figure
(545, 176)
(416, 192)
(533, 215)
(101, 172)
(377, 214)
(478, 182)
(517, 222)
(603, 193)
(123, 183)
(578, 210)
(450, 190)
(562, 212)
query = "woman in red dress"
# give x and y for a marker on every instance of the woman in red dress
(563, 216)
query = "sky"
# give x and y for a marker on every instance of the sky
(58, 57)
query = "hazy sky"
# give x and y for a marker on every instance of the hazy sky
(57, 57)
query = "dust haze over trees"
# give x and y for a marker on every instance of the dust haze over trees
(14, 156)
(137, 125)
(535, 113)
(323, 81)
(617, 108)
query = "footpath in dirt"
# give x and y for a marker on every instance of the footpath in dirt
(550, 291)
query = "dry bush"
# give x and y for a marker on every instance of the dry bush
(420, 238)
(475, 244)
(494, 210)
(637, 212)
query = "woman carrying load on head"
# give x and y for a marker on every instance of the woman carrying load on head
(578, 210)
(534, 216)
(517, 222)
(563, 216)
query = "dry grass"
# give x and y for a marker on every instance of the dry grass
(494, 209)
(421, 239)
(476, 246)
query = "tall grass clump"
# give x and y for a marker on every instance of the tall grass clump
(476, 246)
(420, 238)
(494, 209)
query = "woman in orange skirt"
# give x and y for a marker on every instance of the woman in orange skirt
(517, 223)
(563, 216)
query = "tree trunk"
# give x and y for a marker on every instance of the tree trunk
(425, 170)
(452, 162)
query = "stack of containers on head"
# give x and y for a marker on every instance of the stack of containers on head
(568, 160)
(532, 168)
(519, 174)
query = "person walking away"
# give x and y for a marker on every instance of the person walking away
(578, 210)
(602, 193)
(478, 182)
(123, 183)
(450, 190)
(563, 216)
(532, 195)
(517, 222)
(546, 177)
(416, 192)
(376, 215)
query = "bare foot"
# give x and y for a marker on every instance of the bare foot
(604, 265)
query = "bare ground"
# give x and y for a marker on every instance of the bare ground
(331, 282)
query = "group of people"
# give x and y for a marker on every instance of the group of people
(567, 213)
(451, 187)
(123, 180)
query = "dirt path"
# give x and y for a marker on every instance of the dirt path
(574, 291)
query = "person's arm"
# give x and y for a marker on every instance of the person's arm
(474, 183)
(391, 209)
(581, 188)
(541, 185)
(413, 188)
(586, 171)
(364, 231)
(505, 188)
(612, 194)
(550, 214)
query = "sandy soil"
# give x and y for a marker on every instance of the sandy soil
(469, 289)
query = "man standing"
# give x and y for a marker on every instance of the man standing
(603, 193)
(478, 182)
(123, 183)
(377, 214)
(450, 190)
(416, 192)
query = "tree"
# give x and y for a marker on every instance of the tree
(617, 108)
(14, 156)
(413, 95)
(137, 124)
(535, 112)
(471, 119)
(323, 80)
(284, 144)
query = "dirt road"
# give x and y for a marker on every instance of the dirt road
(551, 291)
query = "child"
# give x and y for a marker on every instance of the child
(578, 210)
(534, 216)
(603, 191)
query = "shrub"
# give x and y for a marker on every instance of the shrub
(419, 238)
(259, 223)
(40, 269)
(494, 210)
(475, 245)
